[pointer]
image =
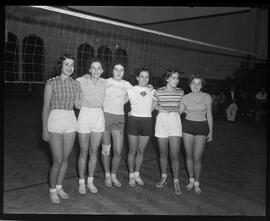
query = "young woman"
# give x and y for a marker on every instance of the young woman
(197, 128)
(139, 128)
(59, 122)
(113, 107)
(168, 127)
(90, 122)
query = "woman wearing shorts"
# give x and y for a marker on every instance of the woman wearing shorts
(61, 93)
(90, 122)
(139, 128)
(197, 128)
(113, 107)
(168, 127)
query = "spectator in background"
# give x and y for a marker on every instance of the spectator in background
(233, 98)
(261, 105)
(221, 105)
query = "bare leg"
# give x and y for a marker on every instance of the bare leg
(118, 141)
(84, 139)
(143, 141)
(133, 144)
(106, 140)
(188, 140)
(95, 140)
(174, 153)
(163, 152)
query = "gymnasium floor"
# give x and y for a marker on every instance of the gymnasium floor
(233, 178)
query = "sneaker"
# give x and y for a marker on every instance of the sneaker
(62, 194)
(191, 184)
(162, 182)
(54, 198)
(131, 182)
(177, 189)
(82, 189)
(197, 188)
(116, 182)
(108, 181)
(92, 187)
(139, 180)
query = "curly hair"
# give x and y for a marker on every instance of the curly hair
(196, 76)
(141, 69)
(59, 65)
(168, 73)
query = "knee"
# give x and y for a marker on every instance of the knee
(83, 154)
(106, 149)
(57, 163)
(163, 154)
(140, 151)
(93, 153)
(197, 160)
(117, 153)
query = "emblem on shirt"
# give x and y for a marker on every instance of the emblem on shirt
(143, 93)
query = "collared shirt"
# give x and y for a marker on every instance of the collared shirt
(63, 93)
(92, 95)
(169, 101)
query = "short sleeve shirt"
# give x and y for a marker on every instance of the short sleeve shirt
(141, 99)
(63, 93)
(115, 96)
(169, 101)
(92, 95)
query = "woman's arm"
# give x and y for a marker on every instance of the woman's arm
(78, 95)
(46, 110)
(209, 117)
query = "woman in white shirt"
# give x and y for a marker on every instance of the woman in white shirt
(113, 107)
(139, 128)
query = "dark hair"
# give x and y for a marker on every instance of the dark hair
(196, 76)
(92, 60)
(119, 62)
(59, 65)
(168, 73)
(141, 69)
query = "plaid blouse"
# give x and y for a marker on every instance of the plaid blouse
(92, 95)
(63, 93)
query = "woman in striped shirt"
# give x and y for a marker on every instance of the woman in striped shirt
(168, 127)
(59, 122)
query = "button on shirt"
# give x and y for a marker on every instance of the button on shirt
(92, 95)
(63, 93)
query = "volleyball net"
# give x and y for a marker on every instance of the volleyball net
(37, 35)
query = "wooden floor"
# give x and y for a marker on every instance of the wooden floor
(233, 177)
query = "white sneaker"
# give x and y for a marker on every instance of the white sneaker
(92, 187)
(116, 182)
(54, 198)
(131, 182)
(139, 180)
(82, 189)
(197, 187)
(191, 184)
(108, 181)
(62, 194)
(162, 182)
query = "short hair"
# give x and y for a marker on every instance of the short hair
(119, 62)
(59, 65)
(141, 69)
(196, 76)
(168, 73)
(92, 60)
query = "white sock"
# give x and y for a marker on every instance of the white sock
(107, 174)
(90, 179)
(164, 175)
(131, 175)
(191, 180)
(137, 174)
(58, 187)
(81, 181)
(113, 175)
(52, 190)
(196, 183)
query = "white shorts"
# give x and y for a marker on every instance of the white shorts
(62, 121)
(91, 120)
(168, 124)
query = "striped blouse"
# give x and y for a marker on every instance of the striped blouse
(63, 92)
(92, 95)
(169, 101)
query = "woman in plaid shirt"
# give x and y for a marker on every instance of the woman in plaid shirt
(61, 93)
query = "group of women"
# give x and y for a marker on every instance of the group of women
(101, 121)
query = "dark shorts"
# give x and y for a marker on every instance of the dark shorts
(195, 127)
(114, 121)
(139, 126)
